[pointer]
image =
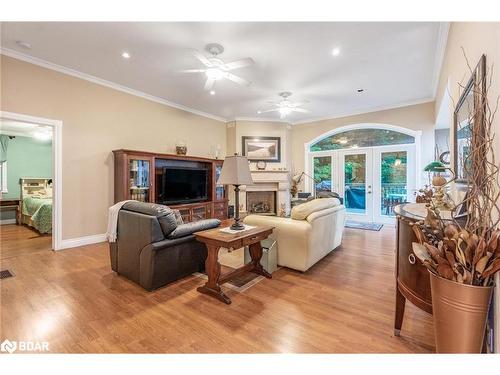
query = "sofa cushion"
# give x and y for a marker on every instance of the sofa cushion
(196, 226)
(164, 214)
(302, 211)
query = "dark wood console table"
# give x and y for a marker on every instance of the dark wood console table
(214, 239)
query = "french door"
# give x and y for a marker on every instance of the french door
(356, 183)
(371, 181)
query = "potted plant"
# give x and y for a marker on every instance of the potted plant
(463, 257)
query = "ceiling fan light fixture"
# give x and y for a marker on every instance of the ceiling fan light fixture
(214, 73)
(285, 111)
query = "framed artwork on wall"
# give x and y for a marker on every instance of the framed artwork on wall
(468, 123)
(266, 149)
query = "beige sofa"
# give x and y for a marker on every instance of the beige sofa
(314, 229)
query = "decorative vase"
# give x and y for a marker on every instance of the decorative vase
(460, 312)
(181, 148)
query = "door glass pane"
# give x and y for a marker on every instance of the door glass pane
(393, 177)
(355, 183)
(219, 189)
(322, 173)
(139, 180)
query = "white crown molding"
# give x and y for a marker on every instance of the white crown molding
(444, 29)
(371, 110)
(82, 241)
(260, 119)
(62, 69)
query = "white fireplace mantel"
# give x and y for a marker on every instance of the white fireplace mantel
(278, 181)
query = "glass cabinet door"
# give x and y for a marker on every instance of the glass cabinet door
(140, 179)
(220, 192)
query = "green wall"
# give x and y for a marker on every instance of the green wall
(26, 157)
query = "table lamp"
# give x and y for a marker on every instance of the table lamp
(235, 171)
(438, 183)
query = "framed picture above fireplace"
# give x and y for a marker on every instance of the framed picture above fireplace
(266, 149)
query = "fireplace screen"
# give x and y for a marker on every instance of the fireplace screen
(261, 202)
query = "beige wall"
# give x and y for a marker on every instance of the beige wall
(415, 117)
(97, 120)
(475, 38)
(261, 128)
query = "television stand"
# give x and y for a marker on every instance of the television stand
(138, 175)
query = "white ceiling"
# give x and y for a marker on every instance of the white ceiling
(396, 63)
(21, 129)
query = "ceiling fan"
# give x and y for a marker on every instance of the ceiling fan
(216, 69)
(285, 106)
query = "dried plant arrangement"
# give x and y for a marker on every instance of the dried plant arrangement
(468, 253)
(424, 195)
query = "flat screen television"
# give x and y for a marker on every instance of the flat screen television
(183, 185)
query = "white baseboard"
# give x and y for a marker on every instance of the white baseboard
(81, 241)
(7, 221)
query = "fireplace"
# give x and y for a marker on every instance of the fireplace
(261, 202)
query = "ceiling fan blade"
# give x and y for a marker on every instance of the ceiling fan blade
(192, 71)
(237, 64)
(298, 104)
(270, 110)
(301, 110)
(204, 60)
(209, 85)
(237, 79)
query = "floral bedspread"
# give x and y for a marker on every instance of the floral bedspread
(40, 210)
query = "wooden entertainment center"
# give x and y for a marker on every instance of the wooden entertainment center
(138, 176)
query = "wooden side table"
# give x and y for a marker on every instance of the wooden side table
(214, 239)
(12, 204)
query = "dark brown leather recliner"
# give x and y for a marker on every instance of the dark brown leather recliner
(152, 249)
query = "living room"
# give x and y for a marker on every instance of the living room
(263, 188)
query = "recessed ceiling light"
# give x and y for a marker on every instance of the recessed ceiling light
(259, 112)
(212, 92)
(360, 90)
(336, 51)
(23, 44)
(126, 55)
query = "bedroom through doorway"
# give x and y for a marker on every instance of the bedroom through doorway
(26, 180)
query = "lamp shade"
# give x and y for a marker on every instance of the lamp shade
(435, 166)
(235, 171)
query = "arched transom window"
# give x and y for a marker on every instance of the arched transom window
(362, 138)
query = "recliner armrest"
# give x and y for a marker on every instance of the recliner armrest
(196, 226)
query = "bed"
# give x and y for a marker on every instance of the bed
(37, 213)
(36, 204)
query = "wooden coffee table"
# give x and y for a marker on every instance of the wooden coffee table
(214, 239)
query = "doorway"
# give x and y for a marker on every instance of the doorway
(42, 186)
(371, 180)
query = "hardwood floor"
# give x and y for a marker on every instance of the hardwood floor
(343, 304)
(20, 240)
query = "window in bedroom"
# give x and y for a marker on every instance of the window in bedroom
(3, 176)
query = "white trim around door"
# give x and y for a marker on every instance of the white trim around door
(56, 168)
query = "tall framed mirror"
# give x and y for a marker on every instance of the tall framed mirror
(468, 123)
